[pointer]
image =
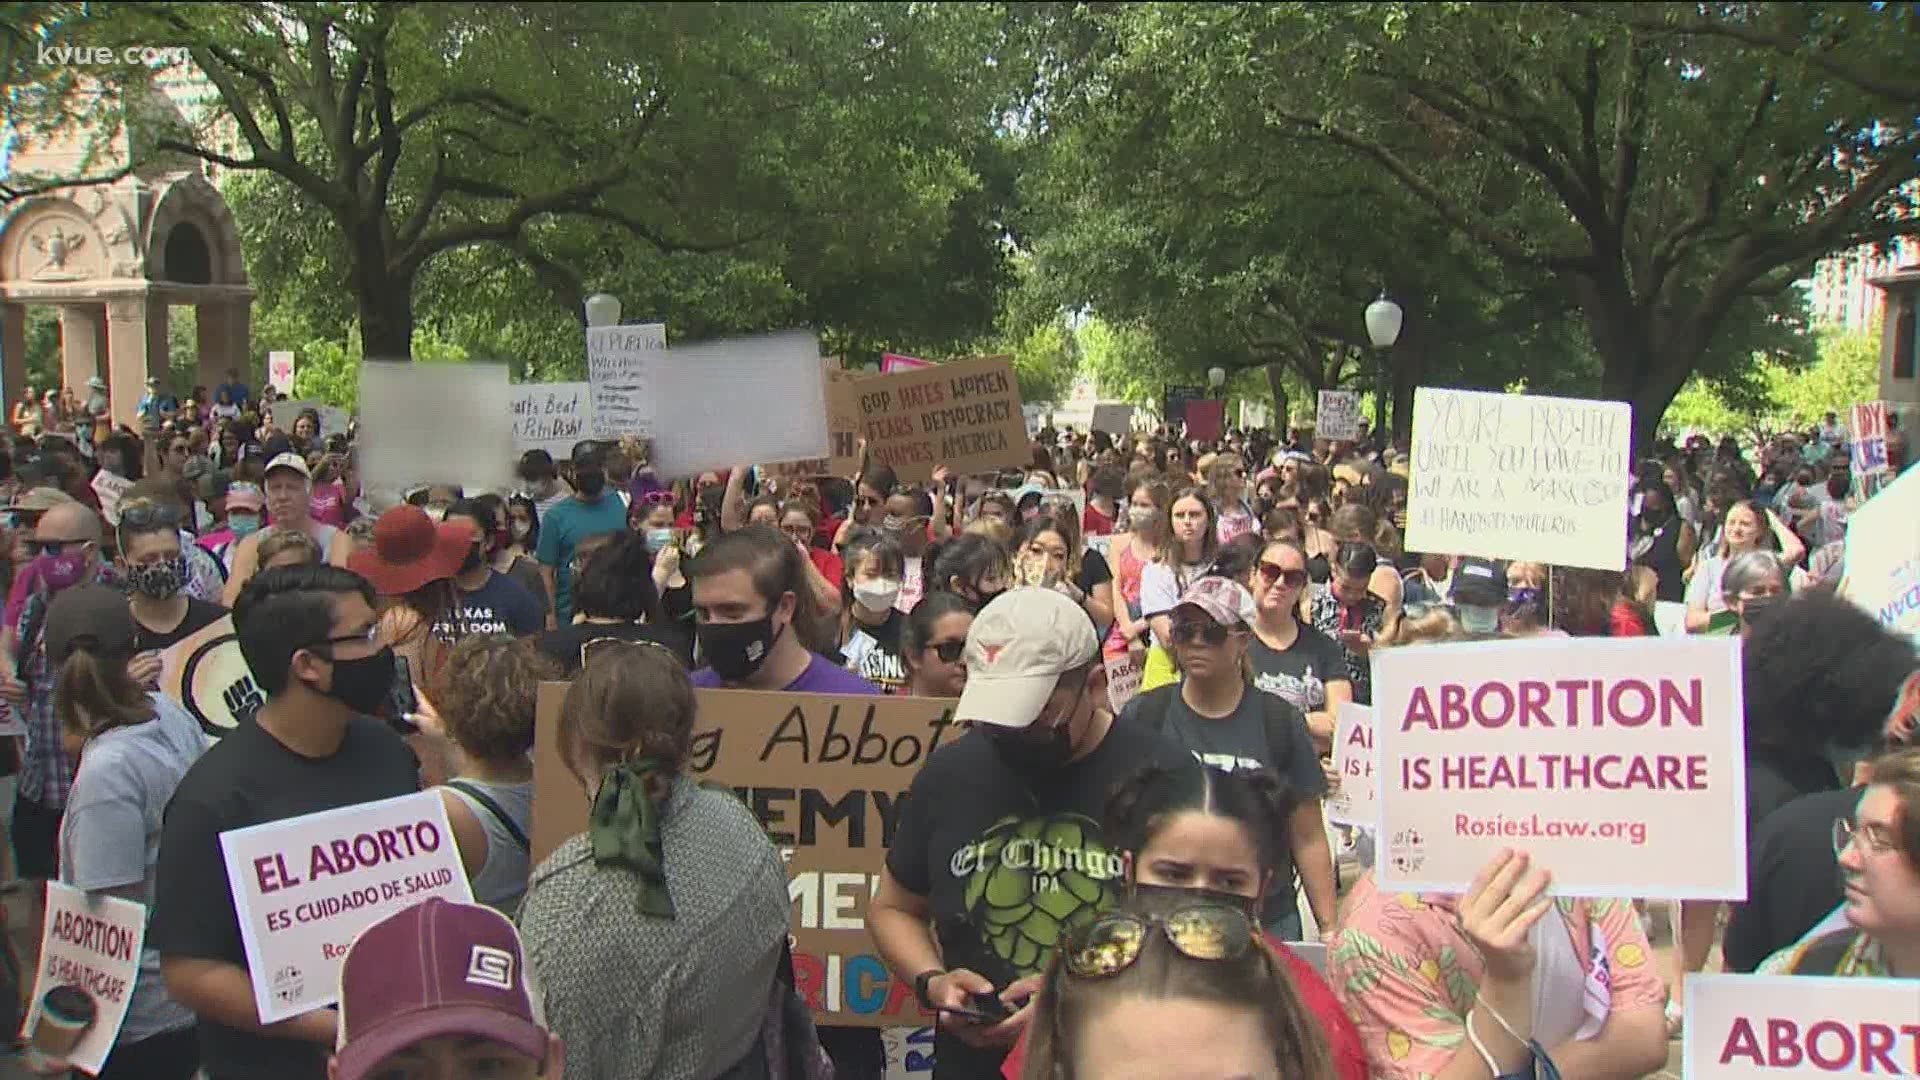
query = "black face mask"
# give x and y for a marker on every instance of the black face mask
(736, 650)
(1035, 752)
(590, 484)
(983, 597)
(362, 685)
(1170, 897)
(475, 556)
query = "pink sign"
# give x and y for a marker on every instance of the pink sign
(892, 362)
(1792, 1025)
(1205, 417)
(1619, 764)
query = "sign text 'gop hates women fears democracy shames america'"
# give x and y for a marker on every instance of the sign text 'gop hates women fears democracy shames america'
(1618, 765)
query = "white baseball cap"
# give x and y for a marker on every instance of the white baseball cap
(1017, 649)
(289, 461)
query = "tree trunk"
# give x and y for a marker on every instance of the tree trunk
(1275, 382)
(384, 297)
(1638, 364)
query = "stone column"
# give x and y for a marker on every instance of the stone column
(157, 352)
(80, 344)
(127, 350)
(13, 354)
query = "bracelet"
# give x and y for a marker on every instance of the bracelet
(1525, 1072)
(1501, 1020)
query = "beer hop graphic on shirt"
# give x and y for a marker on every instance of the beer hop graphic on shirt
(1031, 881)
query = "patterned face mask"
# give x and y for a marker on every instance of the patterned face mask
(161, 580)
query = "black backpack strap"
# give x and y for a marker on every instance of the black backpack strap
(492, 807)
(1155, 704)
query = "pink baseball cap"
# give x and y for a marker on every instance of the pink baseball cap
(436, 968)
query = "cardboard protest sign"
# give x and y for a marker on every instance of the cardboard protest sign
(280, 372)
(111, 489)
(622, 362)
(965, 415)
(1870, 467)
(1780, 1025)
(306, 886)
(1514, 476)
(827, 774)
(435, 424)
(892, 362)
(551, 417)
(206, 673)
(843, 433)
(1619, 764)
(1339, 415)
(1883, 556)
(89, 959)
(1355, 801)
(1206, 418)
(1112, 418)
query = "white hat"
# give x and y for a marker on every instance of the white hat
(289, 461)
(1017, 649)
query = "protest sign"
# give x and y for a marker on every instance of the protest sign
(1175, 400)
(1252, 415)
(964, 414)
(1883, 556)
(843, 433)
(551, 417)
(280, 372)
(1112, 418)
(1339, 415)
(435, 424)
(1619, 764)
(622, 365)
(89, 959)
(1124, 673)
(1870, 467)
(1354, 802)
(110, 489)
(892, 362)
(1779, 1025)
(701, 388)
(206, 674)
(827, 774)
(333, 418)
(1514, 476)
(306, 886)
(1205, 418)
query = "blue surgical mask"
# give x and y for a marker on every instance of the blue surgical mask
(243, 525)
(659, 538)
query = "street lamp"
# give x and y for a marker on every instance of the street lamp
(1216, 378)
(603, 309)
(1383, 329)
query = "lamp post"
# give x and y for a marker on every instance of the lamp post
(603, 309)
(1383, 329)
(1216, 378)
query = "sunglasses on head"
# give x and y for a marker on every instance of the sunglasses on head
(1186, 633)
(608, 645)
(1113, 943)
(658, 498)
(1272, 572)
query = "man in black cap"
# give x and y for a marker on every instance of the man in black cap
(1479, 592)
(590, 511)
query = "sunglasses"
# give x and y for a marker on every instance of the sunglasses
(1272, 572)
(145, 516)
(658, 498)
(607, 646)
(949, 652)
(53, 547)
(1187, 633)
(1113, 943)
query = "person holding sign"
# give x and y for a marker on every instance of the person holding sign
(138, 745)
(1487, 983)
(308, 634)
(658, 933)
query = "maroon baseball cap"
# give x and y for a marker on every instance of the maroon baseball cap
(436, 968)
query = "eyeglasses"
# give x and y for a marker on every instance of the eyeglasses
(53, 547)
(369, 636)
(1187, 633)
(1272, 572)
(606, 646)
(1875, 839)
(948, 651)
(1112, 943)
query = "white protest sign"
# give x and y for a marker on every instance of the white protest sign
(89, 959)
(1124, 673)
(1883, 556)
(333, 418)
(1339, 416)
(622, 366)
(1354, 802)
(304, 887)
(701, 390)
(435, 424)
(111, 489)
(1513, 476)
(1617, 763)
(1799, 1025)
(1114, 418)
(551, 417)
(280, 372)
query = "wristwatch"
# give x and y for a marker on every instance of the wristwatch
(922, 982)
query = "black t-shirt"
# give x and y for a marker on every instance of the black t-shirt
(873, 653)
(200, 615)
(249, 778)
(1263, 732)
(974, 839)
(1299, 674)
(1093, 571)
(563, 644)
(501, 606)
(1793, 877)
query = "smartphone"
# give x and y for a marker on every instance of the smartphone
(401, 701)
(982, 1008)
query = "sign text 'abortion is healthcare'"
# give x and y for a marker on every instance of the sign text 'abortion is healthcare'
(1617, 764)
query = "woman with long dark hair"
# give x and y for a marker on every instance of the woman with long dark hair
(615, 599)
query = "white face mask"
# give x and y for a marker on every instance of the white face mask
(877, 594)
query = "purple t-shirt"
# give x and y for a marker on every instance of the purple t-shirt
(821, 677)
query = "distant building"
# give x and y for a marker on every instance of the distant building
(1840, 293)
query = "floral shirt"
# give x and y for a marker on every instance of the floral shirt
(1408, 976)
(1863, 959)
